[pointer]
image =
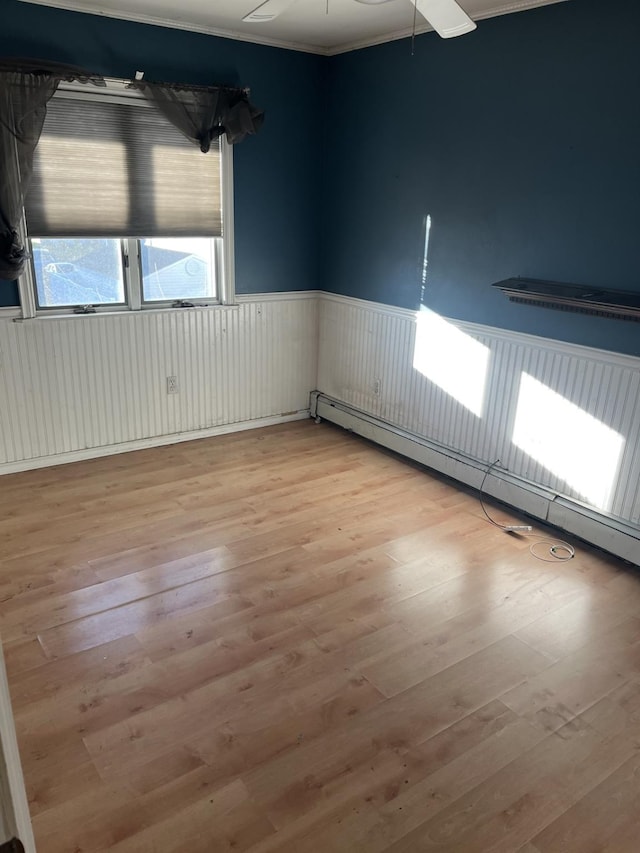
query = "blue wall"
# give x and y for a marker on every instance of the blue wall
(276, 173)
(521, 140)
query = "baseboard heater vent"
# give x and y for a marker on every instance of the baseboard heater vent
(606, 532)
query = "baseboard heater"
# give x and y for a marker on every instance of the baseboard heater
(600, 529)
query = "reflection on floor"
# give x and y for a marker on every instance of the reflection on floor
(289, 640)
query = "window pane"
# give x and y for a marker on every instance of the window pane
(78, 271)
(178, 268)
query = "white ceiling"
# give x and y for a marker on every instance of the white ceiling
(304, 26)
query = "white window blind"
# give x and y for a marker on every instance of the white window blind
(120, 170)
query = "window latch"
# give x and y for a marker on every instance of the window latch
(84, 309)
(182, 303)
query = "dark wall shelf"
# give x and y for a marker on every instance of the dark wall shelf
(614, 304)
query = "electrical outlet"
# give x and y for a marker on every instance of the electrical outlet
(376, 387)
(172, 384)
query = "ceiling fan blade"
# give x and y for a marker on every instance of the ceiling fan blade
(268, 11)
(446, 17)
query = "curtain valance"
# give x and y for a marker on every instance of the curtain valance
(204, 113)
(201, 113)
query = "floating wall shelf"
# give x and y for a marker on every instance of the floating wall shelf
(616, 304)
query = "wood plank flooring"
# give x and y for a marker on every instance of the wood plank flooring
(289, 640)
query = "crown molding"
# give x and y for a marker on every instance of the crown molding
(235, 35)
(154, 21)
(407, 32)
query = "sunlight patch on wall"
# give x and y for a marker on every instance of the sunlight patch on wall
(568, 442)
(425, 257)
(451, 359)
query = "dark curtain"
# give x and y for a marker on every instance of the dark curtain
(203, 114)
(23, 107)
(25, 89)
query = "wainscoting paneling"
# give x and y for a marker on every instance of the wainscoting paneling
(87, 385)
(74, 383)
(366, 360)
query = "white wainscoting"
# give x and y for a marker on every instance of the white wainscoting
(81, 386)
(77, 387)
(366, 360)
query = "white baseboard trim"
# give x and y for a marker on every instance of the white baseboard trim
(612, 535)
(145, 443)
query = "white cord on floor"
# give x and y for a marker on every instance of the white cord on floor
(567, 551)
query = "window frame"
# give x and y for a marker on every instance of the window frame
(224, 246)
(128, 289)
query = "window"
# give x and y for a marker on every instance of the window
(123, 212)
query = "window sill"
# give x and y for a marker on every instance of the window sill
(9, 312)
(126, 312)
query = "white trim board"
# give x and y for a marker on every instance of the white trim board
(145, 443)
(240, 299)
(601, 530)
(278, 296)
(235, 35)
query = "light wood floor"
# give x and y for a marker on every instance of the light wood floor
(288, 640)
